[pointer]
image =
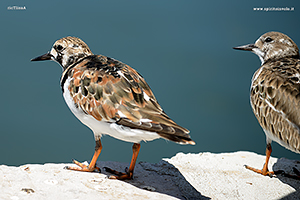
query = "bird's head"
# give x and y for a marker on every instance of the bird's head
(272, 46)
(66, 51)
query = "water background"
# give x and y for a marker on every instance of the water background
(182, 48)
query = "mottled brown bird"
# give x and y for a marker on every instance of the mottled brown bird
(275, 92)
(110, 98)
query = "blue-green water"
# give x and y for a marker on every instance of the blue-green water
(182, 48)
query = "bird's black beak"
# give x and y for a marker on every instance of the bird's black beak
(247, 47)
(46, 56)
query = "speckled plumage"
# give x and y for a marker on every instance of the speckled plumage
(275, 99)
(112, 91)
(275, 91)
(110, 97)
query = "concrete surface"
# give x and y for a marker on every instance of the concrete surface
(185, 176)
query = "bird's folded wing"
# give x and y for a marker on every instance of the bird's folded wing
(114, 92)
(275, 99)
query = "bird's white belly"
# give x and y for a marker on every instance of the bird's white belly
(110, 128)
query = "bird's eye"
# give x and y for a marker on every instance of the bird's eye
(59, 47)
(268, 39)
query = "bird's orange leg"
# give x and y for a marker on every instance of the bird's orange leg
(265, 170)
(92, 166)
(128, 173)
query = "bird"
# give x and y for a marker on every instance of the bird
(110, 98)
(275, 93)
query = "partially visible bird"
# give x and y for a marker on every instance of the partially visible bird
(275, 92)
(110, 98)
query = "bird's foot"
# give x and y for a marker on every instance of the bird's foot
(264, 172)
(119, 175)
(275, 173)
(83, 167)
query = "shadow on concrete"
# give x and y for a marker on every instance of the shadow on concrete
(160, 177)
(287, 166)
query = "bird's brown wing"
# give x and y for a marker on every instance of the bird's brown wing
(275, 99)
(112, 91)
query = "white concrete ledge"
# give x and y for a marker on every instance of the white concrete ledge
(185, 176)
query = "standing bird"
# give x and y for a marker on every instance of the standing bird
(275, 92)
(110, 98)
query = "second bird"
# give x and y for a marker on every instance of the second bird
(275, 92)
